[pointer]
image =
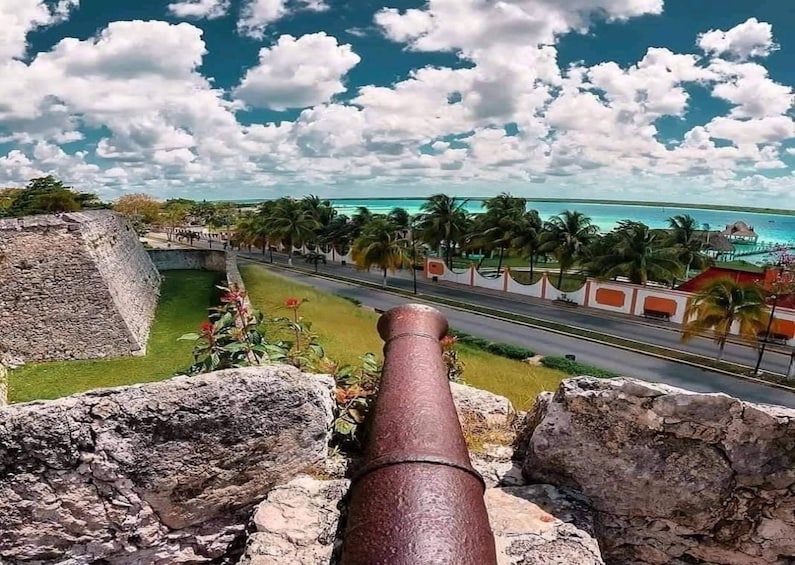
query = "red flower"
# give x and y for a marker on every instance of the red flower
(292, 303)
(448, 341)
(232, 296)
(207, 327)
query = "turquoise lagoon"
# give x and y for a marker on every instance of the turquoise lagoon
(772, 228)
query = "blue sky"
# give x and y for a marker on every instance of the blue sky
(623, 99)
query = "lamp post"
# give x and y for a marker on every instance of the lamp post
(414, 255)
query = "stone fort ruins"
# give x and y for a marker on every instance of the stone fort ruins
(74, 286)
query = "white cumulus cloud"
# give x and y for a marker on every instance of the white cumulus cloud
(19, 17)
(257, 15)
(209, 9)
(472, 24)
(297, 72)
(751, 38)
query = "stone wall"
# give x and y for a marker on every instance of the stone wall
(673, 476)
(194, 259)
(158, 473)
(74, 286)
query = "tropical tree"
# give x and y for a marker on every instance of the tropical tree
(321, 210)
(634, 251)
(251, 231)
(443, 223)
(400, 218)
(139, 207)
(339, 233)
(173, 215)
(291, 224)
(567, 236)
(361, 218)
(721, 304)
(528, 240)
(684, 237)
(44, 195)
(7, 197)
(499, 225)
(378, 245)
(57, 201)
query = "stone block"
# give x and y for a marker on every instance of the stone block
(158, 473)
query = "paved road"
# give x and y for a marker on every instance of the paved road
(775, 359)
(623, 362)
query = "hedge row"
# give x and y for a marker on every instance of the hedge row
(501, 349)
(575, 368)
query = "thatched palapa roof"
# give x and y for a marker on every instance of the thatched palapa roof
(739, 229)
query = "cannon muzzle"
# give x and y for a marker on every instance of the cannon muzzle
(417, 499)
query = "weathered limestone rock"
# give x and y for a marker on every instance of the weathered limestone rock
(74, 286)
(673, 475)
(526, 530)
(494, 409)
(299, 524)
(487, 421)
(157, 473)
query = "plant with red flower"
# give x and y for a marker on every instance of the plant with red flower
(294, 304)
(454, 365)
(448, 342)
(232, 337)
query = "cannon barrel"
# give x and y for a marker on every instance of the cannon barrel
(416, 499)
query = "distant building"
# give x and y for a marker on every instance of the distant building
(740, 232)
(739, 274)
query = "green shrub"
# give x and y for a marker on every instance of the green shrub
(502, 349)
(510, 351)
(576, 368)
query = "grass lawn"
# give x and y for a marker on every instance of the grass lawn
(185, 298)
(347, 332)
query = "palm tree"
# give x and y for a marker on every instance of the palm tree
(338, 233)
(634, 251)
(400, 218)
(567, 235)
(321, 210)
(291, 224)
(443, 222)
(378, 245)
(499, 225)
(249, 232)
(528, 239)
(684, 236)
(722, 303)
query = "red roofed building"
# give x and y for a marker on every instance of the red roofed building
(764, 278)
(740, 275)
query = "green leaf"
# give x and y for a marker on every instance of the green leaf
(344, 427)
(189, 337)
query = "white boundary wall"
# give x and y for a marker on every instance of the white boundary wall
(634, 296)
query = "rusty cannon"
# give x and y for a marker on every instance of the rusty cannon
(417, 499)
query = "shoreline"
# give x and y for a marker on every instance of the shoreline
(646, 204)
